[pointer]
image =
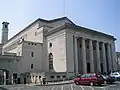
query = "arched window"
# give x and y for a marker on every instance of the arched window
(50, 61)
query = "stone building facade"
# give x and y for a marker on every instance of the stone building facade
(118, 60)
(57, 49)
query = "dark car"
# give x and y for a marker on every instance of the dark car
(108, 78)
(89, 79)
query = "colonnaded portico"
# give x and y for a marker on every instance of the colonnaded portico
(92, 55)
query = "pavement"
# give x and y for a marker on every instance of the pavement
(58, 83)
(72, 86)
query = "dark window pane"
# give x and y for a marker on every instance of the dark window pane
(87, 47)
(50, 44)
(94, 48)
(64, 76)
(32, 54)
(50, 61)
(80, 46)
(31, 66)
(52, 76)
(58, 76)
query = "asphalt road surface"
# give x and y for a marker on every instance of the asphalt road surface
(115, 86)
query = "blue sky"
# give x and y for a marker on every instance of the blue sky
(101, 15)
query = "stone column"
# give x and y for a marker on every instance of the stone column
(114, 58)
(109, 57)
(76, 55)
(4, 77)
(84, 56)
(104, 58)
(98, 57)
(91, 56)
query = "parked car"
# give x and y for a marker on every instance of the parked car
(89, 79)
(108, 79)
(116, 75)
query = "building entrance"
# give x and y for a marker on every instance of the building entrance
(88, 67)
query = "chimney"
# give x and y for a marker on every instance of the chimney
(4, 32)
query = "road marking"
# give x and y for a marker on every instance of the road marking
(100, 87)
(61, 87)
(53, 88)
(103, 88)
(82, 87)
(113, 85)
(72, 87)
(91, 87)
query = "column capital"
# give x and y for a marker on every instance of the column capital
(97, 41)
(83, 38)
(75, 36)
(90, 40)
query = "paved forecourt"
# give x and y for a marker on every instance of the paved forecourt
(62, 87)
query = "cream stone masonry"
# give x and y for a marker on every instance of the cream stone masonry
(55, 49)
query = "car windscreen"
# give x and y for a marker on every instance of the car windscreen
(87, 75)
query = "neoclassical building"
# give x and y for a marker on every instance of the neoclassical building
(57, 49)
(118, 60)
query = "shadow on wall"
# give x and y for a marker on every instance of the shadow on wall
(5, 77)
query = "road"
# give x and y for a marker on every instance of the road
(115, 86)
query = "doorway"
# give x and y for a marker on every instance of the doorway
(24, 80)
(88, 67)
(18, 82)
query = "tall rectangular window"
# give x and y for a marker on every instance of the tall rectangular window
(50, 44)
(31, 66)
(32, 54)
(35, 33)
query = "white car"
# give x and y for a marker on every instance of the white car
(115, 74)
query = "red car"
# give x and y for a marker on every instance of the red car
(89, 79)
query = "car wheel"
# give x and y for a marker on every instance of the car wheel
(91, 83)
(111, 82)
(99, 84)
